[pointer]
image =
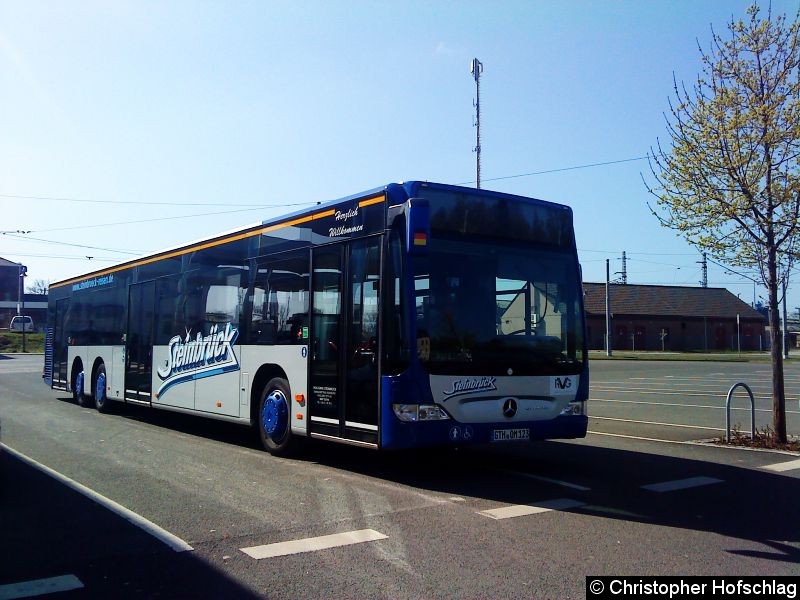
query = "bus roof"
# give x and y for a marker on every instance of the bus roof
(409, 188)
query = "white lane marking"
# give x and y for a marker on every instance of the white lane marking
(657, 423)
(636, 437)
(171, 540)
(784, 466)
(764, 378)
(313, 544)
(681, 484)
(522, 510)
(673, 392)
(567, 484)
(40, 587)
(769, 410)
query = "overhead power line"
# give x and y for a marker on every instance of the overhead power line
(576, 167)
(149, 203)
(59, 256)
(26, 238)
(132, 222)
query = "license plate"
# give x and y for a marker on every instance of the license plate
(510, 435)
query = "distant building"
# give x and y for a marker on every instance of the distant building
(658, 317)
(35, 305)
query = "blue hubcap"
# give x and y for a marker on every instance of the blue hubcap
(100, 388)
(79, 385)
(275, 416)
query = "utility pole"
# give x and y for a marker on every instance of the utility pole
(23, 272)
(608, 310)
(477, 69)
(704, 263)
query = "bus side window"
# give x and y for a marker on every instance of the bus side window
(280, 302)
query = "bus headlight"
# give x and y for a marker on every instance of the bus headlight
(419, 412)
(574, 408)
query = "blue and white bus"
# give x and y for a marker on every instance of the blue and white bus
(415, 314)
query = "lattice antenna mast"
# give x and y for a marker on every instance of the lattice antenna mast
(623, 275)
(704, 263)
(477, 69)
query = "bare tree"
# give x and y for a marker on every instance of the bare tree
(729, 182)
(38, 286)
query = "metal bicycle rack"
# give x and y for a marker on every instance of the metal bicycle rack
(728, 412)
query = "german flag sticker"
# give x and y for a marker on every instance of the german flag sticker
(420, 238)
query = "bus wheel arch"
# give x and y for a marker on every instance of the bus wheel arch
(273, 411)
(99, 383)
(262, 377)
(78, 382)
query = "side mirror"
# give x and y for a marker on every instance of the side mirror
(418, 226)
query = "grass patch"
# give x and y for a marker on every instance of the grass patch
(682, 356)
(12, 342)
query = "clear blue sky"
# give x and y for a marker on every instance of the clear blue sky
(212, 107)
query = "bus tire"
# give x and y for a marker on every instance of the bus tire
(274, 425)
(101, 401)
(78, 389)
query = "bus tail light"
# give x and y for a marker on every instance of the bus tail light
(419, 412)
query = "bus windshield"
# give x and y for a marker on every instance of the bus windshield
(497, 308)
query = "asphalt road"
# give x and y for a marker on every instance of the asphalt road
(685, 401)
(507, 521)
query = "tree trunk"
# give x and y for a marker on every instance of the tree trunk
(776, 350)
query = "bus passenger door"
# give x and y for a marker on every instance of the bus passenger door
(344, 345)
(361, 367)
(60, 343)
(139, 342)
(326, 391)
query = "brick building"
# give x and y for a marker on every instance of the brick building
(657, 317)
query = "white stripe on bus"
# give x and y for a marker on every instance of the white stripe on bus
(361, 425)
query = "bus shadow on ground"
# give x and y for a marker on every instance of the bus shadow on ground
(220, 431)
(746, 504)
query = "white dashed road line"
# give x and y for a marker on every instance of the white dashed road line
(313, 544)
(522, 510)
(560, 482)
(681, 484)
(40, 587)
(784, 466)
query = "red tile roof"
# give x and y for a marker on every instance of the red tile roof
(666, 301)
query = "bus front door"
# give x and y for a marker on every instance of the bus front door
(139, 342)
(344, 346)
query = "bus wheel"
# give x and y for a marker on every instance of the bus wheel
(273, 417)
(77, 390)
(101, 401)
